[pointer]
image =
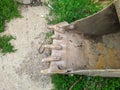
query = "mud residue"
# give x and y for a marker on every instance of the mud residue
(109, 52)
(105, 53)
(108, 58)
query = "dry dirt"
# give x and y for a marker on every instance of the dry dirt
(21, 70)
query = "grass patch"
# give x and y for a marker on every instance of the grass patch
(48, 35)
(2, 26)
(71, 10)
(5, 45)
(8, 11)
(64, 82)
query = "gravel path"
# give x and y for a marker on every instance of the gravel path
(21, 70)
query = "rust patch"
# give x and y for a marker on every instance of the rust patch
(100, 47)
(108, 58)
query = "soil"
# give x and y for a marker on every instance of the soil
(21, 70)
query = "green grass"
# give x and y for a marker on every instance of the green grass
(64, 82)
(8, 11)
(71, 10)
(48, 35)
(5, 45)
(2, 25)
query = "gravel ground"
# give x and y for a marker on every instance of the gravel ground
(21, 70)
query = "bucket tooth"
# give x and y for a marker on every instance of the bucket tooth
(70, 27)
(59, 25)
(46, 71)
(57, 28)
(57, 37)
(56, 47)
(60, 30)
(62, 71)
(52, 58)
(51, 26)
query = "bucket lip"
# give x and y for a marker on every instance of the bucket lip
(88, 70)
(110, 4)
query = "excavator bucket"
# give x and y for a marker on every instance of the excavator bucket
(67, 51)
(73, 51)
(83, 47)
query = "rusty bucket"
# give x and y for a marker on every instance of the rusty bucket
(73, 53)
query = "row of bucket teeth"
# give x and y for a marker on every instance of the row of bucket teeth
(55, 61)
(65, 43)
